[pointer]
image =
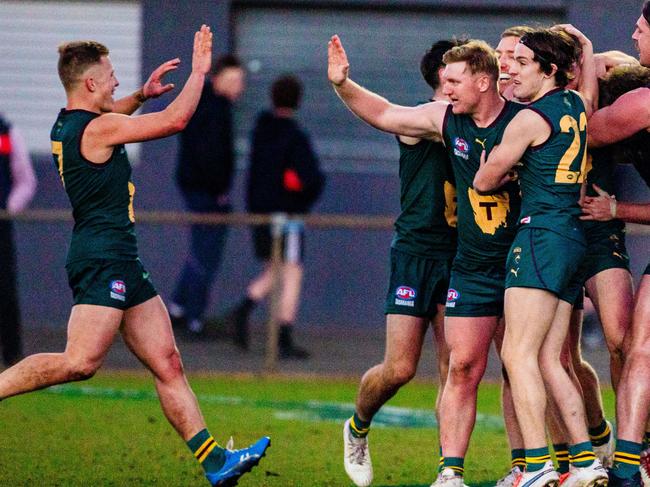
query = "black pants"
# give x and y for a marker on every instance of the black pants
(10, 340)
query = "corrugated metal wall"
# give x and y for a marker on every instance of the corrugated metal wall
(30, 31)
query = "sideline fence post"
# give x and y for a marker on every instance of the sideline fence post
(278, 222)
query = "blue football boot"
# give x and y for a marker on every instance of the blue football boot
(238, 462)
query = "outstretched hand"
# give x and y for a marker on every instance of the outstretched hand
(202, 54)
(600, 208)
(154, 87)
(337, 62)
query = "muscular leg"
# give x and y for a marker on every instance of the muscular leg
(528, 320)
(587, 377)
(612, 293)
(633, 394)
(566, 395)
(147, 332)
(91, 330)
(442, 351)
(404, 338)
(515, 440)
(469, 341)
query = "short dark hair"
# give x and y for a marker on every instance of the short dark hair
(286, 92)
(645, 11)
(619, 80)
(223, 62)
(516, 31)
(431, 62)
(552, 47)
(478, 55)
(76, 57)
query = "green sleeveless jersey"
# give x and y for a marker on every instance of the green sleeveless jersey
(553, 172)
(487, 223)
(101, 194)
(426, 226)
(601, 167)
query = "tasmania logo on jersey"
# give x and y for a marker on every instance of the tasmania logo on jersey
(118, 290)
(461, 148)
(405, 296)
(452, 297)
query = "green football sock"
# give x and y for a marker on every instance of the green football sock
(457, 464)
(518, 458)
(207, 451)
(626, 459)
(582, 454)
(358, 427)
(562, 457)
(599, 435)
(536, 458)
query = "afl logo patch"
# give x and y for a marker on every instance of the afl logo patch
(405, 292)
(118, 290)
(461, 148)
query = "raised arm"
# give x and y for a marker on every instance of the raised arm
(424, 121)
(526, 129)
(153, 88)
(610, 59)
(112, 129)
(629, 114)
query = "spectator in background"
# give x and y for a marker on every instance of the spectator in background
(204, 174)
(17, 187)
(284, 176)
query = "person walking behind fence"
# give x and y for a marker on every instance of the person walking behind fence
(204, 174)
(112, 291)
(284, 177)
(17, 187)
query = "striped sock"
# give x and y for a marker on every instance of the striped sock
(207, 451)
(626, 459)
(536, 458)
(358, 427)
(518, 458)
(562, 457)
(441, 462)
(646, 441)
(582, 454)
(457, 464)
(599, 435)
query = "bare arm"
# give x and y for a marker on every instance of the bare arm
(424, 121)
(112, 129)
(525, 129)
(610, 59)
(605, 207)
(629, 114)
(153, 88)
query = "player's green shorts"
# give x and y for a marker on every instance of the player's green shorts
(118, 284)
(606, 251)
(475, 289)
(543, 259)
(417, 285)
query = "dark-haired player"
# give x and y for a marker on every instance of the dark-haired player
(421, 252)
(549, 138)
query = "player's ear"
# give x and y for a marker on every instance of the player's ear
(90, 84)
(484, 83)
(553, 71)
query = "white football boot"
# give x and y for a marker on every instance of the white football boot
(594, 475)
(509, 479)
(356, 458)
(546, 476)
(644, 468)
(448, 478)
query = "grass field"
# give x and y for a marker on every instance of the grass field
(110, 431)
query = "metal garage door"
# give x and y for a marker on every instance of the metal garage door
(30, 31)
(384, 48)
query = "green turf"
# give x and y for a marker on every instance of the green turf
(113, 433)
